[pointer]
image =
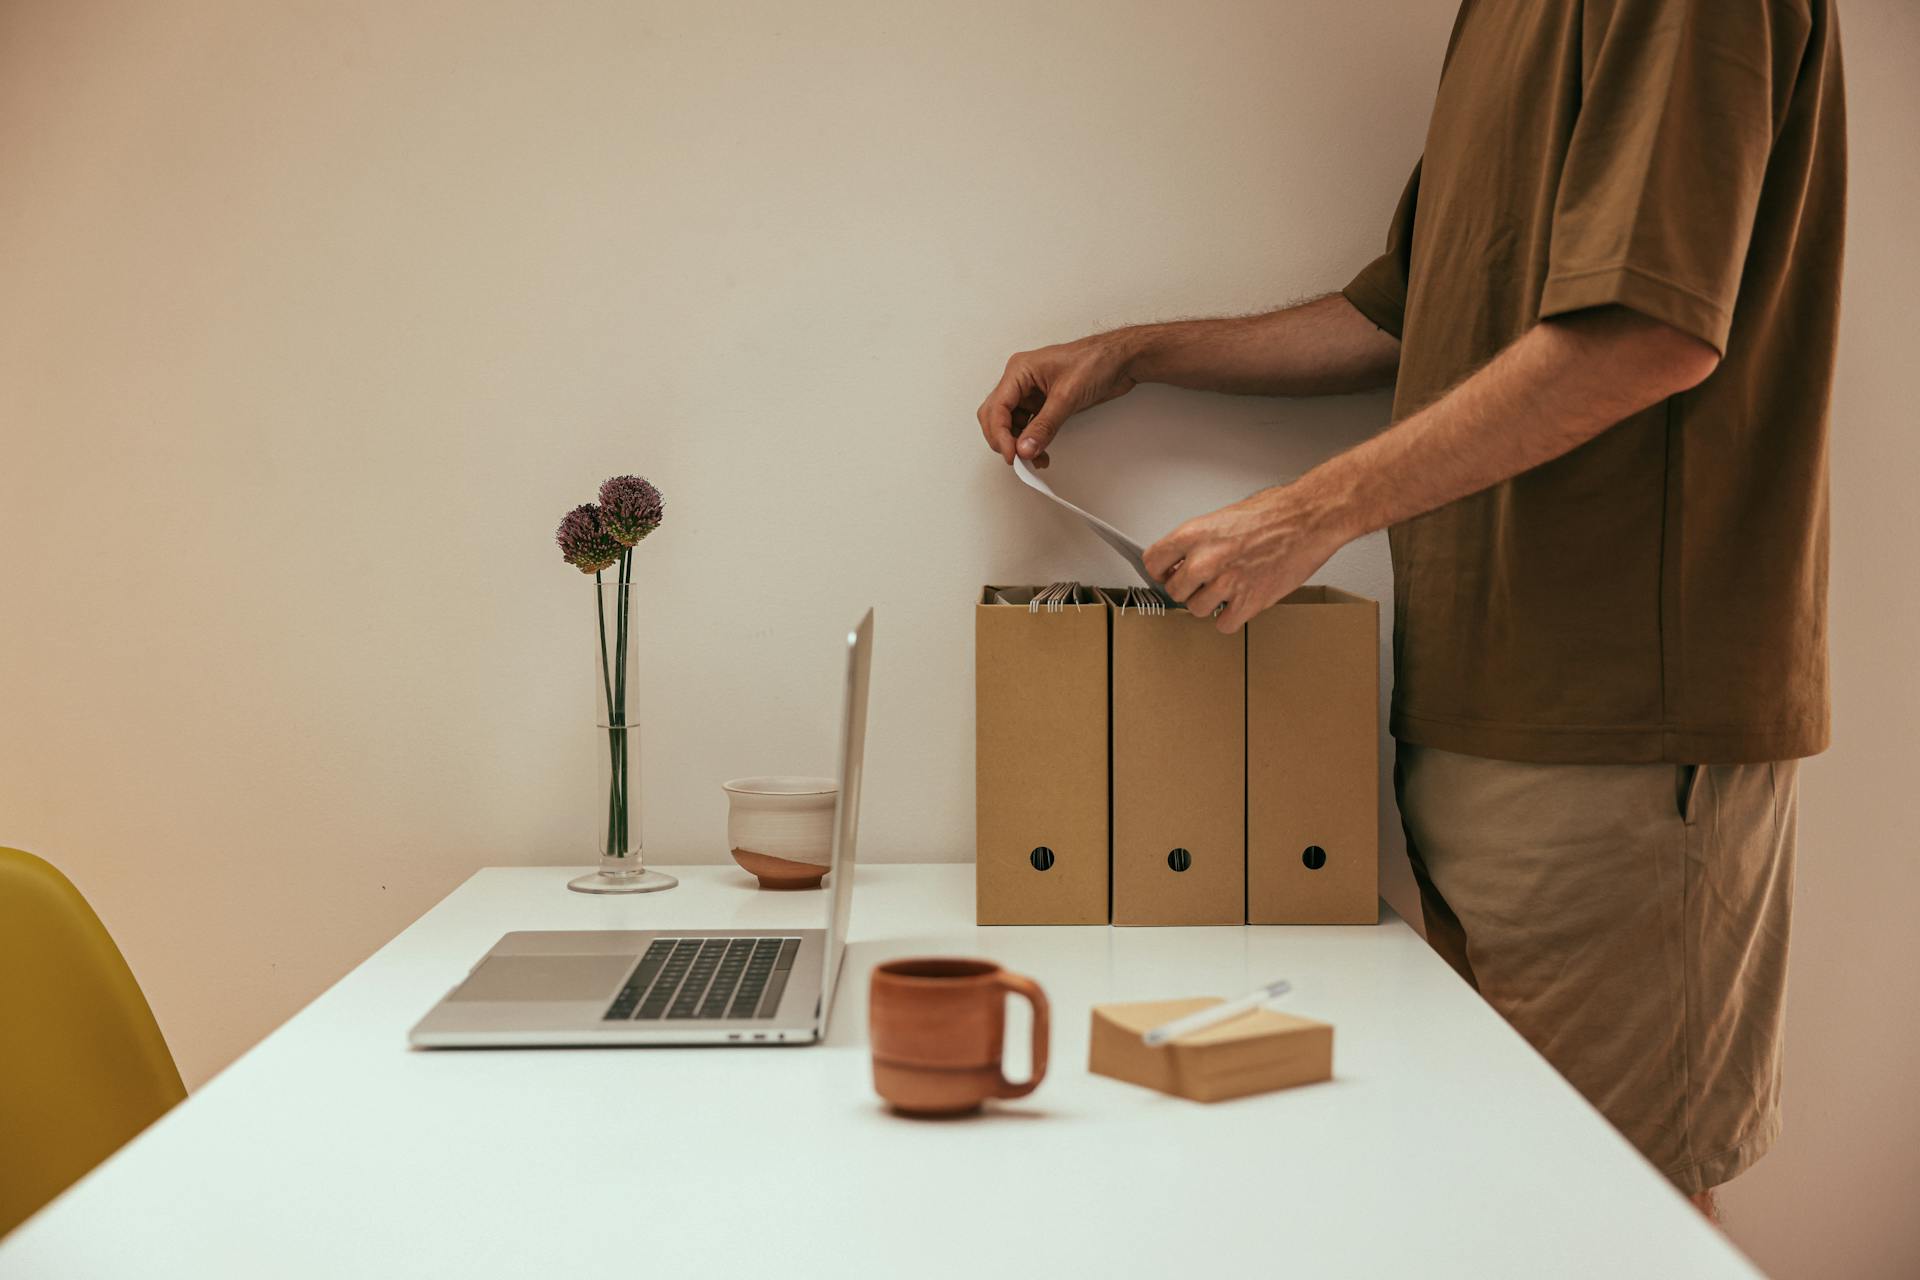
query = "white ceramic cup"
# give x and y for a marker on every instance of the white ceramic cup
(781, 828)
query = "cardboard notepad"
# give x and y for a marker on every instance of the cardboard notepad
(1257, 1052)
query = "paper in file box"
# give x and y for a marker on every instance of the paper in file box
(1040, 768)
(1129, 550)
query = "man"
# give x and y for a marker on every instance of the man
(1608, 309)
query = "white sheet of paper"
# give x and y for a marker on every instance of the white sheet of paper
(1133, 552)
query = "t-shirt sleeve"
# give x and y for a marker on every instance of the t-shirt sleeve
(1379, 292)
(1680, 104)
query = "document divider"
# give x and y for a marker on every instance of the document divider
(1179, 769)
(1040, 740)
(1313, 828)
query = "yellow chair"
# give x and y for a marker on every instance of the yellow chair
(83, 1066)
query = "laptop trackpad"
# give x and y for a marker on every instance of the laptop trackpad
(546, 978)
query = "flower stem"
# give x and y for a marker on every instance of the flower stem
(620, 695)
(613, 735)
(600, 608)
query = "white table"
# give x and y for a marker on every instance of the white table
(1443, 1147)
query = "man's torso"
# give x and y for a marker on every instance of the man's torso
(1658, 593)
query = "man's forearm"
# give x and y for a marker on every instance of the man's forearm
(1322, 347)
(1558, 386)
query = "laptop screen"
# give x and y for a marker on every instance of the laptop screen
(846, 807)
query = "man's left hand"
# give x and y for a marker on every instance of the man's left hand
(1245, 557)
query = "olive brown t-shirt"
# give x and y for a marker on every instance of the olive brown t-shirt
(1658, 594)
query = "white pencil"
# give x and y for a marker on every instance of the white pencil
(1217, 1014)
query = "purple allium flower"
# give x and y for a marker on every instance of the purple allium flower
(631, 508)
(584, 540)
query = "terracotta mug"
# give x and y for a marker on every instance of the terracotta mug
(936, 1026)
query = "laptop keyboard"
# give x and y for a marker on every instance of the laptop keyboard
(698, 978)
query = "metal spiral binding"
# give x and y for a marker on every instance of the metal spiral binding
(1055, 597)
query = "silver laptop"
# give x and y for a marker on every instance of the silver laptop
(679, 986)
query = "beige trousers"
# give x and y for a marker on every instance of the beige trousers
(1630, 921)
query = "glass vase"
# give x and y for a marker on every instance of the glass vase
(617, 736)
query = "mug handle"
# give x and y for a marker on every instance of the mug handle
(1027, 987)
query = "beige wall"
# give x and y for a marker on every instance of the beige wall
(315, 317)
(1838, 1196)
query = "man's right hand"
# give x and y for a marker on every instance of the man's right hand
(1042, 389)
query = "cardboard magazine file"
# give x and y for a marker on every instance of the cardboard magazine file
(1179, 769)
(1040, 767)
(1313, 772)
(1257, 1052)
